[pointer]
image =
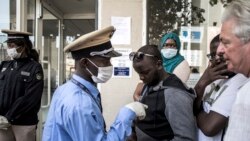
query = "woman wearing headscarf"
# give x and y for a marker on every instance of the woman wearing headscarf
(173, 61)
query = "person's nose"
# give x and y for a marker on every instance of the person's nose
(220, 49)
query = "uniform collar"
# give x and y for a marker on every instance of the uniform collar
(93, 90)
(22, 59)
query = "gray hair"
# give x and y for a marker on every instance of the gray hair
(239, 10)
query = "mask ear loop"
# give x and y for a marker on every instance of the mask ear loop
(87, 67)
(89, 72)
(92, 62)
(83, 64)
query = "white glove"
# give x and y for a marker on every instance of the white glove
(4, 124)
(138, 108)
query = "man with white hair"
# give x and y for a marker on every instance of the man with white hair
(235, 47)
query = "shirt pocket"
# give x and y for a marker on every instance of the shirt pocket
(25, 79)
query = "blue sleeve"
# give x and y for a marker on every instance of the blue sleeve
(73, 116)
(121, 128)
(85, 126)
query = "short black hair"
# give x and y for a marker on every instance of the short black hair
(151, 49)
(215, 42)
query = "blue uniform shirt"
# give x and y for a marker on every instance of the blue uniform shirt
(74, 115)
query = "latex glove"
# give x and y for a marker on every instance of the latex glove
(4, 124)
(138, 108)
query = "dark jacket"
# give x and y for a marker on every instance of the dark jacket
(170, 112)
(21, 87)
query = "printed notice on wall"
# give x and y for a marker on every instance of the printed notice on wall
(191, 34)
(122, 35)
(122, 65)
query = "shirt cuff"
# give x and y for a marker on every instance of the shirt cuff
(126, 115)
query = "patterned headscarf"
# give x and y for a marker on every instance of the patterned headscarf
(170, 64)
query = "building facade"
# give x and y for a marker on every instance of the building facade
(55, 24)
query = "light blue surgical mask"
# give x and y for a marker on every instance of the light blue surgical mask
(169, 53)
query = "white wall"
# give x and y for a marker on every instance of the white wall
(119, 91)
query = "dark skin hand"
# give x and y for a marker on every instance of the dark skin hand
(138, 90)
(210, 123)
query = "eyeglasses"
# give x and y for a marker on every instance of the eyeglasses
(169, 45)
(139, 55)
(211, 56)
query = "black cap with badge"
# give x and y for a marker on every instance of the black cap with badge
(92, 44)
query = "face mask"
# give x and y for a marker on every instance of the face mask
(168, 53)
(12, 52)
(104, 73)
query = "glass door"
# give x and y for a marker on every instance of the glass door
(49, 51)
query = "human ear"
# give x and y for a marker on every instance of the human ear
(83, 62)
(159, 64)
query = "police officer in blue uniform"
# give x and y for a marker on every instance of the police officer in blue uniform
(21, 87)
(76, 110)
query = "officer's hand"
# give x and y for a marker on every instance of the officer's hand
(138, 108)
(4, 124)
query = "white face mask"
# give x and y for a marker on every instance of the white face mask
(168, 53)
(104, 73)
(12, 52)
